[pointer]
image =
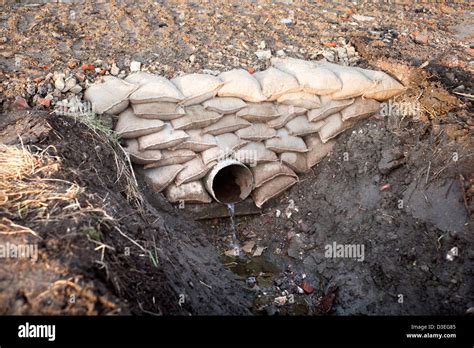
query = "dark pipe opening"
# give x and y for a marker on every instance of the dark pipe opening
(229, 183)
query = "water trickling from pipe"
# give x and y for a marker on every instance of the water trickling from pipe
(235, 242)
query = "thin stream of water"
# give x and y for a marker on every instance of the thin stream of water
(235, 242)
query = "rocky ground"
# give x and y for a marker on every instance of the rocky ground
(420, 158)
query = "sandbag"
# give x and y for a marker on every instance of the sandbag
(141, 157)
(191, 192)
(296, 161)
(257, 132)
(285, 143)
(153, 88)
(265, 172)
(311, 77)
(329, 106)
(169, 157)
(385, 88)
(164, 111)
(275, 83)
(259, 112)
(360, 108)
(164, 139)
(197, 88)
(227, 144)
(254, 153)
(194, 169)
(159, 178)
(354, 83)
(272, 188)
(287, 113)
(224, 105)
(110, 95)
(332, 127)
(227, 124)
(196, 117)
(300, 126)
(239, 83)
(197, 141)
(130, 126)
(300, 99)
(317, 149)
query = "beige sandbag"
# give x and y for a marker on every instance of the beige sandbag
(224, 105)
(211, 155)
(164, 111)
(227, 124)
(354, 83)
(300, 126)
(287, 112)
(272, 189)
(332, 127)
(169, 157)
(317, 149)
(311, 77)
(360, 108)
(239, 83)
(265, 172)
(153, 88)
(285, 143)
(196, 117)
(254, 153)
(110, 95)
(275, 83)
(256, 132)
(227, 144)
(194, 169)
(197, 141)
(300, 99)
(159, 178)
(141, 157)
(259, 112)
(385, 88)
(192, 192)
(296, 161)
(164, 139)
(329, 106)
(197, 88)
(130, 126)
(230, 142)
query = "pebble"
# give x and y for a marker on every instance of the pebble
(30, 89)
(20, 103)
(192, 58)
(59, 83)
(361, 18)
(280, 53)
(69, 83)
(76, 89)
(80, 76)
(421, 38)
(263, 54)
(114, 70)
(135, 66)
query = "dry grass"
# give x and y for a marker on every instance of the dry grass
(26, 187)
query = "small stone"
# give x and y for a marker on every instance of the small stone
(87, 67)
(192, 58)
(280, 53)
(72, 64)
(361, 18)
(69, 83)
(286, 21)
(44, 101)
(248, 247)
(59, 83)
(98, 70)
(20, 103)
(421, 38)
(135, 66)
(114, 70)
(30, 89)
(80, 76)
(76, 89)
(263, 54)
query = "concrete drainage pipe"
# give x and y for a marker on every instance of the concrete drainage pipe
(229, 181)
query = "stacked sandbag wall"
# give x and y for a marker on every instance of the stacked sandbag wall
(280, 121)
